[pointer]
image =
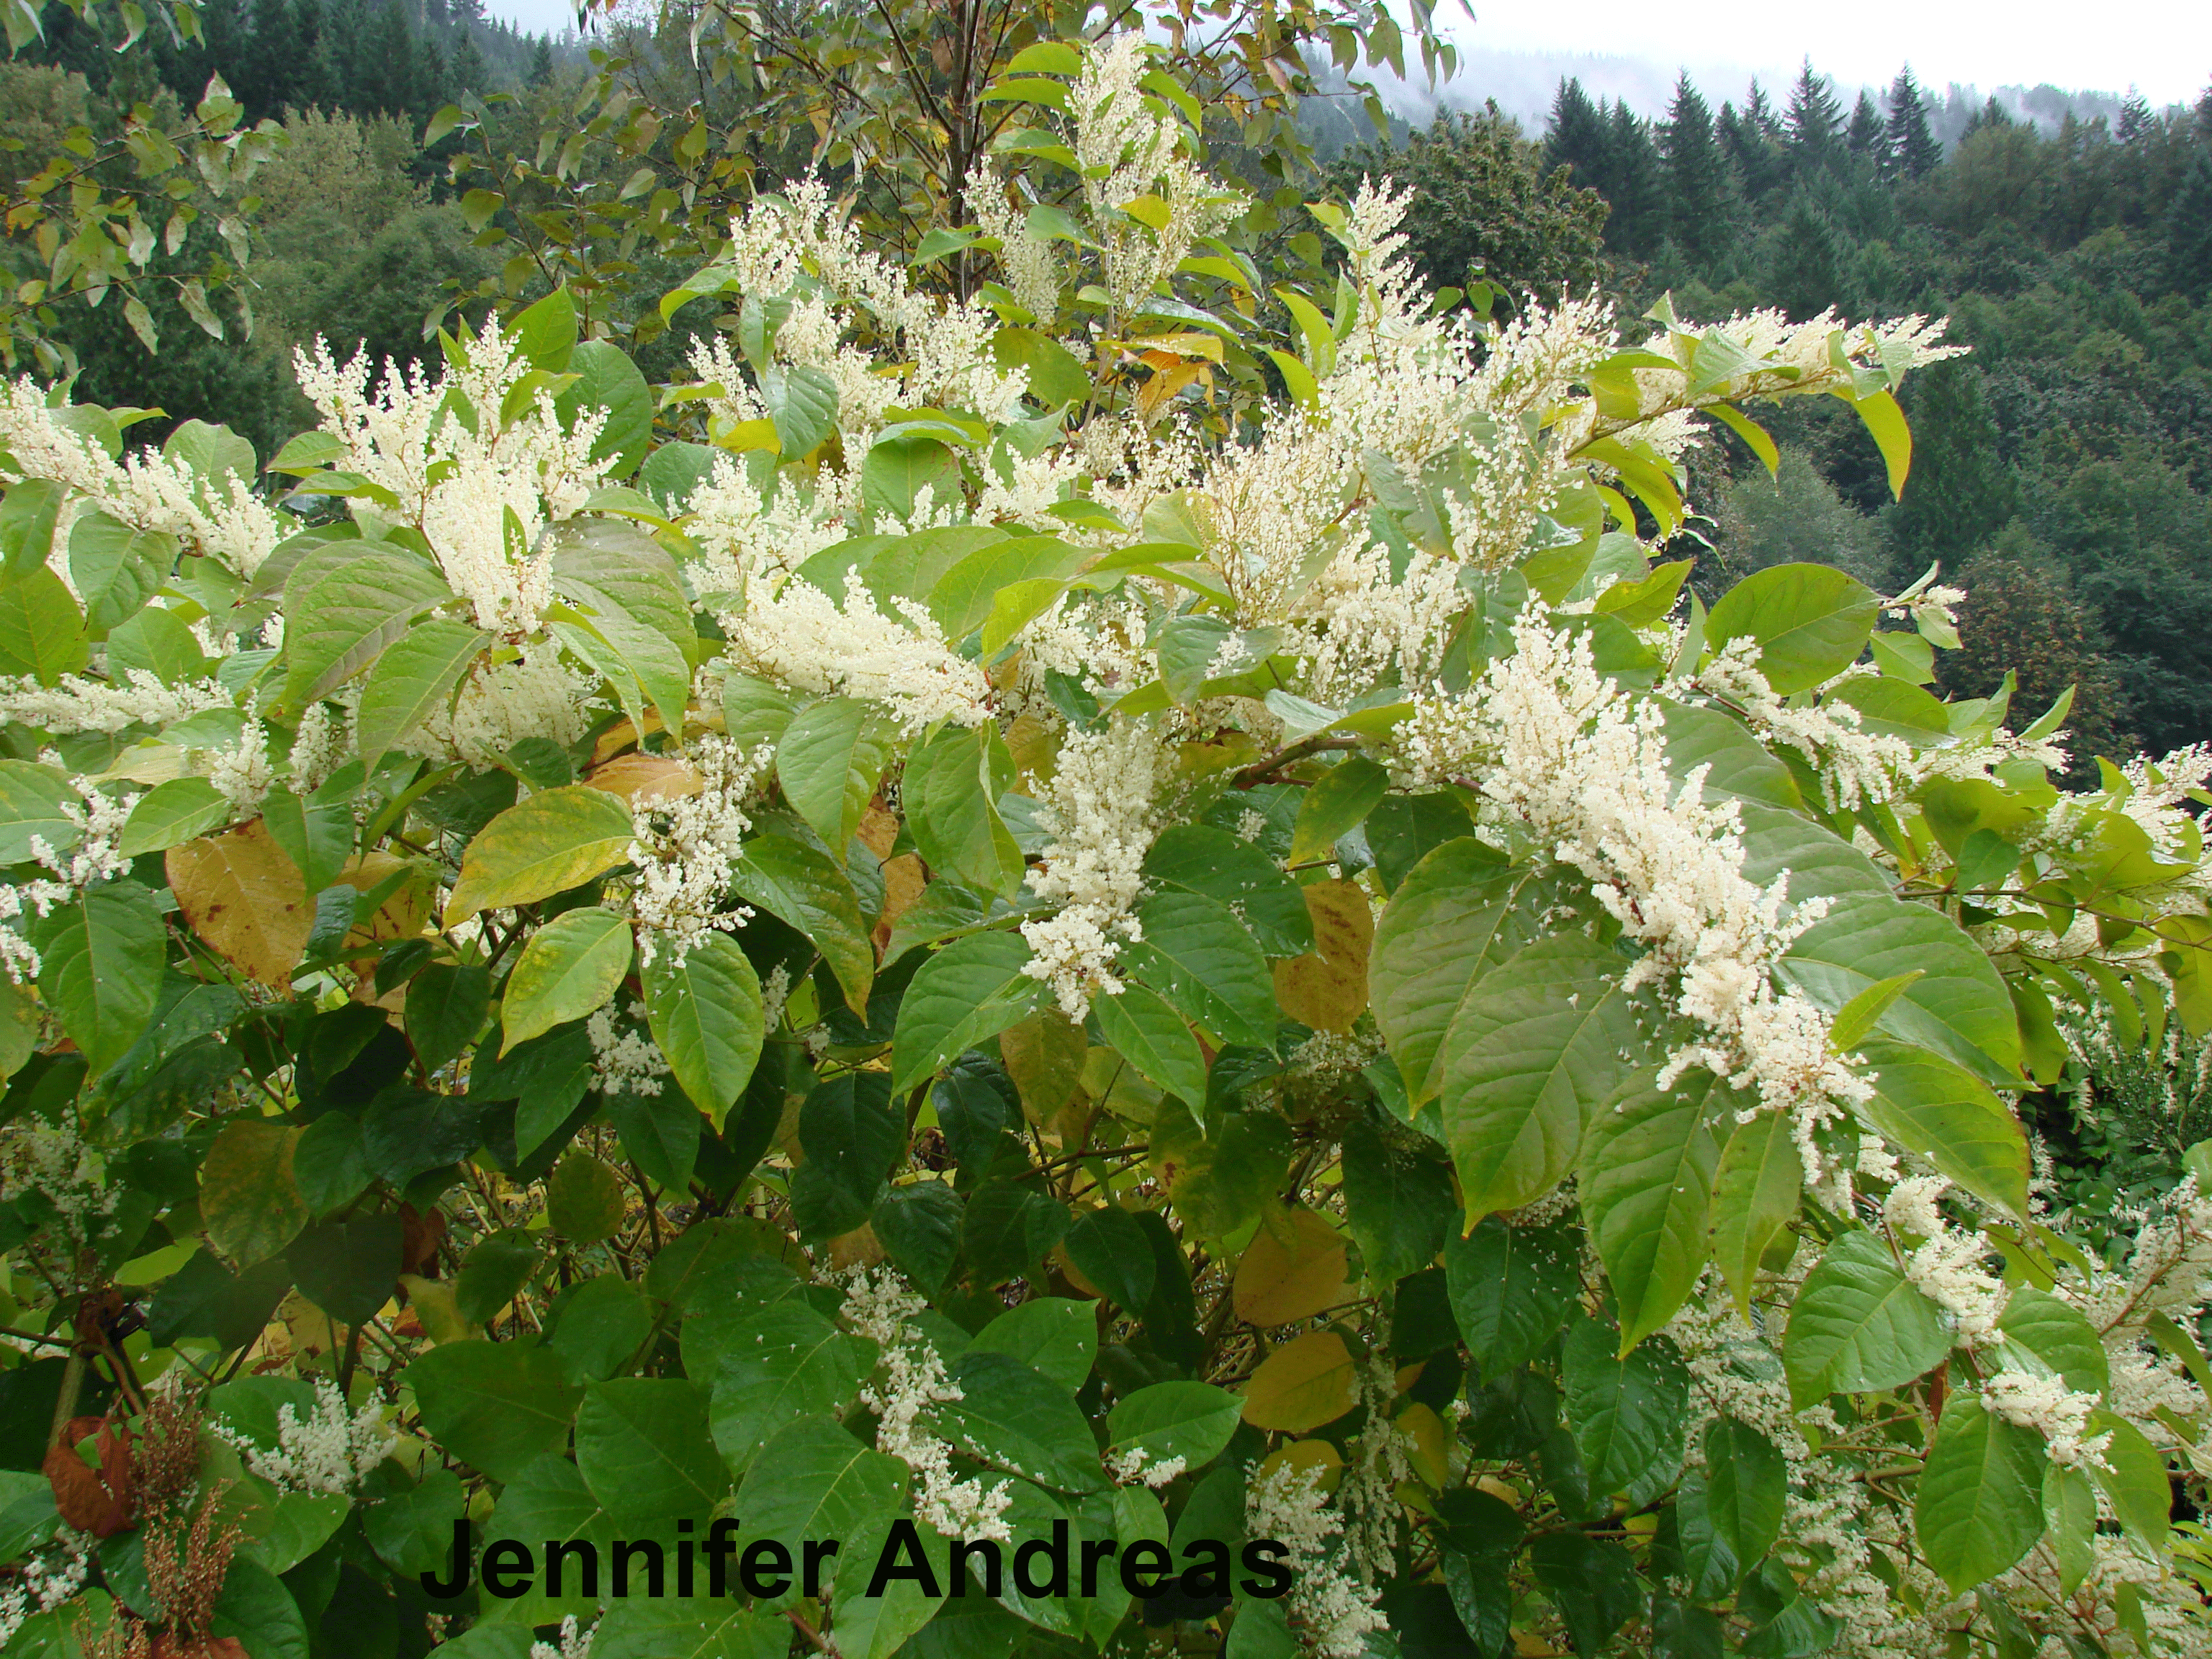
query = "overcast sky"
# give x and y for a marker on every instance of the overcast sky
(2163, 46)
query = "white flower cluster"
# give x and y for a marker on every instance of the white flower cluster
(625, 1061)
(575, 1641)
(51, 1575)
(1134, 1466)
(53, 1160)
(799, 636)
(218, 518)
(684, 850)
(480, 489)
(1334, 1611)
(909, 1380)
(332, 1449)
(534, 692)
(94, 856)
(2046, 1404)
(1856, 766)
(1098, 811)
(75, 704)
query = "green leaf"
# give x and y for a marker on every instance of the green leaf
(1646, 1178)
(346, 619)
(347, 1268)
(1457, 914)
(1511, 1288)
(41, 629)
(1398, 1195)
(876, 1626)
(1737, 766)
(831, 759)
(963, 596)
(1529, 1058)
(814, 1480)
(802, 405)
(36, 801)
(2135, 1478)
(493, 1272)
(1196, 954)
(100, 968)
(706, 1016)
(1335, 805)
(1755, 1194)
(643, 1446)
(784, 1362)
(546, 1500)
(116, 569)
(950, 790)
(170, 813)
(1810, 621)
(249, 1202)
(1140, 1027)
(446, 1007)
(1856, 1018)
(545, 332)
(609, 381)
(1886, 424)
(1740, 1498)
(1193, 1421)
(1008, 1229)
(256, 1610)
(28, 515)
(571, 967)
(1055, 1336)
(689, 1628)
(1925, 1104)
(918, 1226)
(1109, 1248)
(964, 994)
(1213, 863)
(417, 674)
(1858, 1324)
(554, 840)
(1959, 1007)
(497, 1406)
(1979, 1505)
(1625, 1411)
(799, 881)
(1013, 1418)
(851, 1138)
(628, 585)
(2058, 1335)
(660, 1134)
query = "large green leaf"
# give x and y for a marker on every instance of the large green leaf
(1193, 1421)
(1859, 1324)
(814, 1480)
(547, 1498)
(691, 1627)
(116, 569)
(1398, 1196)
(1925, 1104)
(799, 881)
(852, 1137)
(643, 1446)
(171, 813)
(1646, 1180)
(831, 759)
(1547, 1036)
(1810, 621)
(1015, 1419)
(498, 1405)
(556, 840)
(1203, 859)
(1452, 918)
(1625, 1411)
(1197, 955)
(1737, 766)
(36, 800)
(1755, 1193)
(2060, 1337)
(344, 621)
(626, 586)
(1730, 1511)
(1140, 1027)
(1511, 1288)
(1820, 863)
(950, 790)
(100, 968)
(876, 1626)
(1056, 1336)
(802, 405)
(1979, 1505)
(1959, 1007)
(41, 629)
(607, 380)
(706, 1015)
(417, 674)
(967, 993)
(570, 968)
(786, 1362)
(962, 600)
(1335, 805)
(249, 1201)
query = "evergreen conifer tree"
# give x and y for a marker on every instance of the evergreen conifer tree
(1697, 174)
(541, 62)
(1958, 492)
(2189, 227)
(1815, 120)
(1634, 184)
(2135, 116)
(1750, 139)
(470, 72)
(1576, 136)
(1864, 138)
(1914, 151)
(1809, 258)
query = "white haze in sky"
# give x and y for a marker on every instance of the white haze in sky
(2164, 47)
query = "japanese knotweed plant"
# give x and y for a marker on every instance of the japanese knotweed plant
(1123, 909)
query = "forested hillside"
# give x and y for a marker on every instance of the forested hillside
(2076, 267)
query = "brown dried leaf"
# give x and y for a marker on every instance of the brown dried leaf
(637, 776)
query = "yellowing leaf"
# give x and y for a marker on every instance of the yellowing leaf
(1278, 1283)
(1044, 1056)
(1327, 987)
(1427, 1444)
(541, 847)
(637, 777)
(1302, 1455)
(242, 895)
(249, 1202)
(571, 966)
(1308, 1381)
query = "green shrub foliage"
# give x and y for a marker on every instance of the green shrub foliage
(1120, 908)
